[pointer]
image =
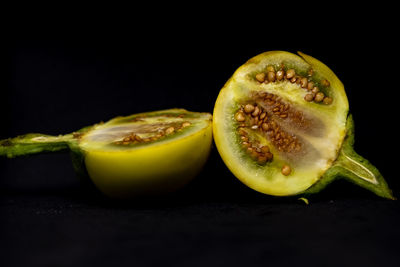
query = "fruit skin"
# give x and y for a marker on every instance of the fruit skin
(153, 170)
(150, 169)
(345, 163)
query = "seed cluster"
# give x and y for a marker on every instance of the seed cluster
(134, 138)
(314, 93)
(273, 104)
(254, 117)
(256, 151)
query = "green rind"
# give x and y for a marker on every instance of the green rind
(352, 167)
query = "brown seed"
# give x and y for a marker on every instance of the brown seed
(293, 80)
(325, 83)
(244, 138)
(279, 75)
(309, 97)
(242, 132)
(304, 82)
(290, 74)
(254, 127)
(169, 130)
(256, 120)
(298, 147)
(292, 145)
(264, 149)
(268, 96)
(262, 94)
(127, 139)
(310, 86)
(271, 76)
(186, 124)
(262, 116)
(262, 160)
(270, 68)
(256, 111)
(249, 108)
(249, 149)
(265, 126)
(319, 97)
(125, 143)
(269, 155)
(260, 77)
(286, 141)
(298, 81)
(327, 100)
(239, 116)
(146, 140)
(275, 109)
(286, 170)
(137, 137)
(254, 154)
(315, 90)
(245, 145)
(287, 106)
(284, 115)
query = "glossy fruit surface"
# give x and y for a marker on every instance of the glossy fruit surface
(142, 154)
(282, 127)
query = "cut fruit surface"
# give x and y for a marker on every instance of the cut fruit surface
(280, 122)
(141, 154)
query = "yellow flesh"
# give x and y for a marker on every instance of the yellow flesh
(157, 167)
(268, 179)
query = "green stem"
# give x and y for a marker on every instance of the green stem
(360, 171)
(33, 144)
(354, 168)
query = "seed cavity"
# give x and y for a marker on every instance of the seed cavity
(151, 133)
(267, 117)
(270, 75)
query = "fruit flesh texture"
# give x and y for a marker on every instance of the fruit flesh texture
(321, 141)
(138, 168)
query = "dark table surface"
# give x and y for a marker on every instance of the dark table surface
(49, 219)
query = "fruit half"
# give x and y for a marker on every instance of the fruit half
(142, 154)
(281, 125)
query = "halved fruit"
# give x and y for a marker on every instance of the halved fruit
(141, 154)
(282, 127)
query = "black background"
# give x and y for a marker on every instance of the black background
(60, 77)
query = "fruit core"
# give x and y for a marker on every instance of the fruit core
(140, 130)
(268, 124)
